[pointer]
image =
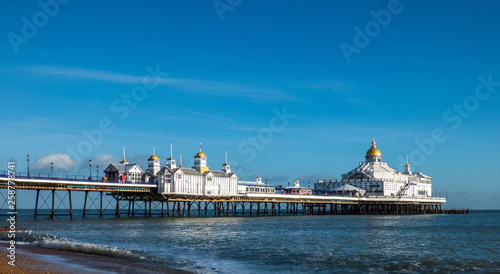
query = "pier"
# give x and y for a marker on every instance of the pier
(54, 195)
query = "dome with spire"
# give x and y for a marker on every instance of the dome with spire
(200, 155)
(373, 151)
(154, 158)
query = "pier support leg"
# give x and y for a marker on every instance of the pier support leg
(117, 214)
(70, 205)
(53, 214)
(100, 207)
(85, 203)
(36, 203)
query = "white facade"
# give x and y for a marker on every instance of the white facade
(256, 186)
(124, 173)
(378, 179)
(198, 180)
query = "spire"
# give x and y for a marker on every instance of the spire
(226, 167)
(407, 166)
(171, 157)
(200, 147)
(154, 151)
(181, 161)
(124, 161)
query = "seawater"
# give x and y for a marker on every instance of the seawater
(286, 244)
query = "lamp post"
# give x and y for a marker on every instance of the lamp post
(51, 170)
(97, 173)
(90, 169)
(28, 159)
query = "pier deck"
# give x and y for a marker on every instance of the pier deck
(143, 200)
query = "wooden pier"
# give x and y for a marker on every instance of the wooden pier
(54, 198)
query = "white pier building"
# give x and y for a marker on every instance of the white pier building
(257, 186)
(198, 180)
(375, 178)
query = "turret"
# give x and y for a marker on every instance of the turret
(171, 161)
(200, 162)
(407, 167)
(154, 163)
(258, 180)
(226, 167)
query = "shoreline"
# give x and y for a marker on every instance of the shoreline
(33, 259)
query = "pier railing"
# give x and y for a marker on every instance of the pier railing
(61, 177)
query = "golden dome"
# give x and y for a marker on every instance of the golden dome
(153, 158)
(373, 151)
(200, 155)
(171, 158)
(407, 165)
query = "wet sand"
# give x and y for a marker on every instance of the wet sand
(31, 259)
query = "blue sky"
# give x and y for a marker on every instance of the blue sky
(222, 83)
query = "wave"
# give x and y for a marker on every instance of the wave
(53, 242)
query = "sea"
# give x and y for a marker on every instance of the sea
(283, 244)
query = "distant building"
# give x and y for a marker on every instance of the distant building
(296, 189)
(377, 178)
(257, 186)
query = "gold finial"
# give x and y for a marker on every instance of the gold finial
(124, 161)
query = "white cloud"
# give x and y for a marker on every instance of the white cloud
(61, 162)
(187, 85)
(103, 160)
(325, 85)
